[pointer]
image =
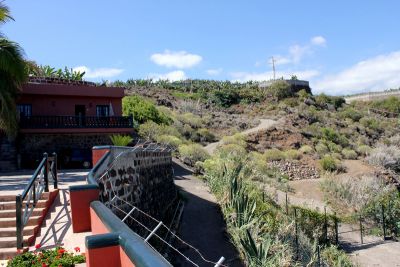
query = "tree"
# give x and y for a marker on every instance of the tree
(12, 75)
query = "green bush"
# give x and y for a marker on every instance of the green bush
(238, 139)
(351, 113)
(280, 89)
(274, 154)
(192, 153)
(121, 140)
(370, 123)
(328, 163)
(191, 119)
(364, 150)
(292, 154)
(306, 149)
(321, 149)
(349, 153)
(150, 130)
(143, 110)
(332, 256)
(205, 135)
(170, 140)
(323, 100)
(391, 104)
(225, 97)
(54, 258)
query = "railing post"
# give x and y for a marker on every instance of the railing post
(46, 172)
(361, 231)
(18, 214)
(55, 175)
(383, 222)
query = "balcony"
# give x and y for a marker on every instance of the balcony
(75, 123)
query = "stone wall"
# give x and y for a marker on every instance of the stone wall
(68, 147)
(8, 155)
(141, 178)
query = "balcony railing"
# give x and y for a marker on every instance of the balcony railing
(67, 122)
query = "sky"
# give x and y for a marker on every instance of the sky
(341, 47)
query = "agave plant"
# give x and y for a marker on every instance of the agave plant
(121, 140)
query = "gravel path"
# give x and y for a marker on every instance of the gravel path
(264, 124)
(202, 224)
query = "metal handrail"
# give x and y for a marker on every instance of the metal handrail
(38, 184)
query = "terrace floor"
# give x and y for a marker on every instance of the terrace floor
(56, 228)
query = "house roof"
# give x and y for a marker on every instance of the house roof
(72, 90)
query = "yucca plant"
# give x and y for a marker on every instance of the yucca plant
(121, 140)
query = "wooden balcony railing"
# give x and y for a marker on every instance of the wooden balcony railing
(68, 122)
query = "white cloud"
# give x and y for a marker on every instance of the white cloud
(214, 72)
(318, 40)
(179, 59)
(172, 76)
(297, 52)
(265, 76)
(99, 73)
(377, 73)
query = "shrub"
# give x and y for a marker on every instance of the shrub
(192, 153)
(306, 149)
(370, 123)
(205, 135)
(225, 97)
(280, 89)
(143, 110)
(323, 101)
(391, 104)
(385, 156)
(292, 154)
(121, 140)
(191, 119)
(349, 153)
(351, 113)
(238, 139)
(274, 154)
(170, 140)
(150, 130)
(328, 163)
(321, 149)
(332, 256)
(56, 257)
(364, 150)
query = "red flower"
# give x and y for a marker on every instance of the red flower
(44, 265)
(37, 246)
(77, 249)
(61, 251)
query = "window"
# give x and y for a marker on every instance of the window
(24, 110)
(103, 111)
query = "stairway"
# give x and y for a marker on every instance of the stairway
(8, 236)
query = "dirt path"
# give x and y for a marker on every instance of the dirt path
(264, 124)
(202, 223)
(374, 251)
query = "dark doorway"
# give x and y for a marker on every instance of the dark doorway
(80, 113)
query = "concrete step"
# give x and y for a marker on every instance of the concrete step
(9, 198)
(11, 241)
(11, 213)
(12, 231)
(11, 205)
(11, 222)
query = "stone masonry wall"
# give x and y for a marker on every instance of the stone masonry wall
(141, 178)
(8, 156)
(32, 146)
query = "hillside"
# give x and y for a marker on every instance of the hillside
(318, 149)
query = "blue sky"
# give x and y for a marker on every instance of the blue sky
(340, 46)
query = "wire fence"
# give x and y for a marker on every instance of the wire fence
(154, 229)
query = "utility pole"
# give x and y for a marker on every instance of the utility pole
(273, 65)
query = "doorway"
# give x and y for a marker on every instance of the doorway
(80, 113)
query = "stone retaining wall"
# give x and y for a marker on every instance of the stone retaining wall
(32, 146)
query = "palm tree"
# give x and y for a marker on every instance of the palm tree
(12, 75)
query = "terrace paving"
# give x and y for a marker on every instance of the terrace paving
(56, 228)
